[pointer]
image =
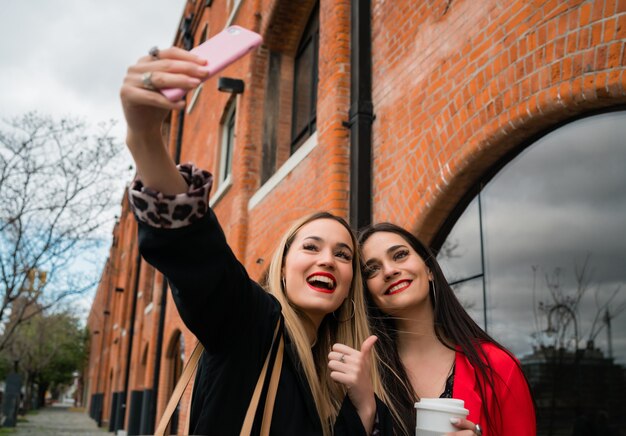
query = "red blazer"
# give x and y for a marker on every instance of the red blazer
(516, 404)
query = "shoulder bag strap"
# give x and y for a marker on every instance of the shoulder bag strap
(271, 390)
(246, 428)
(183, 381)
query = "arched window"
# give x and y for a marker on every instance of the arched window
(538, 258)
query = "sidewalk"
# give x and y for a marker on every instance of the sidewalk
(58, 420)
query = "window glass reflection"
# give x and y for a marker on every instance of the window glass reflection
(470, 294)
(459, 256)
(554, 238)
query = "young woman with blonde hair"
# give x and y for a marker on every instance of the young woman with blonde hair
(313, 282)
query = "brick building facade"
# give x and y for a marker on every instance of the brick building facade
(458, 88)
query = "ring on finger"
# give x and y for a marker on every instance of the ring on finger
(154, 53)
(146, 80)
(478, 430)
(342, 358)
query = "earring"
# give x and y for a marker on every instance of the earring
(432, 282)
(350, 317)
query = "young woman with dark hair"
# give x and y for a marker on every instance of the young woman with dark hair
(428, 346)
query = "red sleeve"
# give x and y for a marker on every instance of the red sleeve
(517, 408)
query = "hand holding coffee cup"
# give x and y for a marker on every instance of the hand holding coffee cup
(434, 415)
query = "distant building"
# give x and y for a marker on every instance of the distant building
(493, 127)
(567, 383)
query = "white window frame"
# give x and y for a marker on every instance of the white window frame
(224, 176)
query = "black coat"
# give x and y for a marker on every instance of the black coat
(234, 318)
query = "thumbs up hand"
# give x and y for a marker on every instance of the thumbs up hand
(352, 368)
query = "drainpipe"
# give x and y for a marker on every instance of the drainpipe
(100, 395)
(131, 334)
(361, 114)
(150, 422)
(148, 427)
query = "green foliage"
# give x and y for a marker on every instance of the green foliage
(49, 348)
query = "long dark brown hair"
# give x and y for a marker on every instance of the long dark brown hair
(453, 327)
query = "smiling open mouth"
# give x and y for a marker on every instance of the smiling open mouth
(322, 282)
(397, 287)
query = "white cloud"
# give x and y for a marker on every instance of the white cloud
(69, 57)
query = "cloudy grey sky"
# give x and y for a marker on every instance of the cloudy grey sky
(68, 57)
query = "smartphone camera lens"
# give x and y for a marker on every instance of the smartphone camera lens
(233, 31)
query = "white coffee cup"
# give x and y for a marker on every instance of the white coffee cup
(433, 415)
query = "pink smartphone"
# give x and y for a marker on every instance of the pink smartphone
(221, 50)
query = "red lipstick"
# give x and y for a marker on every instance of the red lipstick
(398, 287)
(324, 282)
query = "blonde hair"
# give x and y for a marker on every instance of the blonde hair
(347, 325)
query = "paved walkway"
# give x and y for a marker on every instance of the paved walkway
(58, 421)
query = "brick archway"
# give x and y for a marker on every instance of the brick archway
(481, 89)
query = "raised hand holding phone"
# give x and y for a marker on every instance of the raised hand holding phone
(220, 51)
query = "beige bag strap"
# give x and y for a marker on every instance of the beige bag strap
(183, 381)
(246, 428)
(271, 390)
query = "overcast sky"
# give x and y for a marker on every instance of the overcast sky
(68, 57)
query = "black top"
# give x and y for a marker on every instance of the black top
(447, 391)
(234, 318)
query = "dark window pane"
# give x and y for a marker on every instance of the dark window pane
(305, 83)
(303, 87)
(230, 142)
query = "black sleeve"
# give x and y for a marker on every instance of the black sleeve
(215, 297)
(349, 423)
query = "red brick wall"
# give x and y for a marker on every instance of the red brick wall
(457, 84)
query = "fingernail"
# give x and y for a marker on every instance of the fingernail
(454, 420)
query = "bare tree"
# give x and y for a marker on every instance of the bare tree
(57, 188)
(561, 307)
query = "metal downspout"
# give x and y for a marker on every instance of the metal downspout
(361, 114)
(131, 334)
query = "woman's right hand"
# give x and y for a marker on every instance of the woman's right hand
(351, 368)
(145, 109)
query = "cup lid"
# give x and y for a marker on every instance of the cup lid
(452, 405)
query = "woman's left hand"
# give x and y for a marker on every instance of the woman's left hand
(466, 428)
(352, 368)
